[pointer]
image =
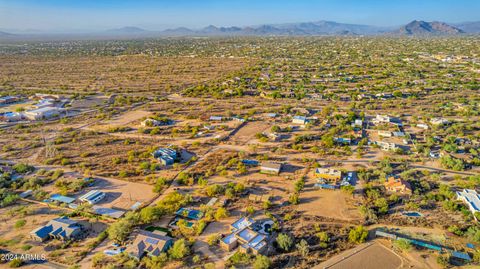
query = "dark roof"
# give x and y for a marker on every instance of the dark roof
(63, 227)
(149, 242)
(461, 255)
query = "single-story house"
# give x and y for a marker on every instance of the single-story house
(422, 126)
(59, 228)
(471, 198)
(166, 156)
(299, 120)
(148, 243)
(62, 199)
(215, 118)
(153, 123)
(11, 116)
(250, 162)
(328, 174)
(8, 100)
(109, 212)
(382, 119)
(229, 242)
(358, 122)
(259, 198)
(271, 168)
(342, 140)
(385, 133)
(273, 136)
(439, 121)
(386, 145)
(241, 223)
(43, 113)
(92, 197)
(245, 237)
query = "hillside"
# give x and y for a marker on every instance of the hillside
(428, 28)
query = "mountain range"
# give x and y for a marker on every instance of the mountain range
(414, 28)
(5, 34)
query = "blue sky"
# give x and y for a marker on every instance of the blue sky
(88, 15)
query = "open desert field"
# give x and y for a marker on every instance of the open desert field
(329, 203)
(248, 131)
(371, 256)
(135, 73)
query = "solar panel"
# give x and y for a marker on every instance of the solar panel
(151, 241)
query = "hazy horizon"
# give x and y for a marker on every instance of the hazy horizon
(93, 16)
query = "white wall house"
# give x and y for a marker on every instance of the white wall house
(43, 113)
(471, 198)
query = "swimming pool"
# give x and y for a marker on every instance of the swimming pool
(412, 214)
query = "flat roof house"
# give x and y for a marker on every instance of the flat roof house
(245, 237)
(109, 212)
(166, 156)
(8, 99)
(422, 126)
(241, 223)
(386, 145)
(299, 120)
(382, 118)
(215, 118)
(92, 197)
(385, 133)
(148, 243)
(271, 168)
(471, 198)
(439, 121)
(59, 228)
(251, 241)
(62, 199)
(342, 140)
(229, 242)
(328, 174)
(43, 113)
(258, 198)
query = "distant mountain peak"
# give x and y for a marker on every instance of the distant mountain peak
(127, 29)
(5, 34)
(419, 27)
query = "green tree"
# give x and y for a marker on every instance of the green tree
(150, 213)
(154, 262)
(262, 262)
(119, 230)
(303, 248)
(323, 237)
(221, 213)
(358, 234)
(284, 241)
(402, 244)
(294, 199)
(179, 249)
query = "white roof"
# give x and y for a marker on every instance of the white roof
(43, 110)
(471, 197)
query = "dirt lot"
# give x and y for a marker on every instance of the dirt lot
(371, 256)
(328, 203)
(26, 105)
(248, 131)
(126, 118)
(121, 194)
